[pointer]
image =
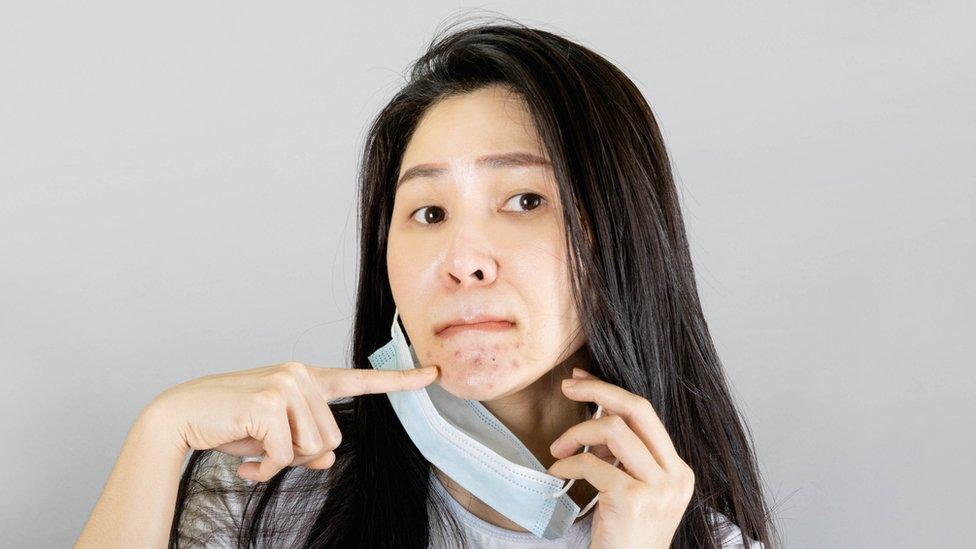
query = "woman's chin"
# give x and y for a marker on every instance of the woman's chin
(472, 385)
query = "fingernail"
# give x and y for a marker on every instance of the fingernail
(569, 382)
(578, 373)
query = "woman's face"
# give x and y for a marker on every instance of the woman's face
(471, 239)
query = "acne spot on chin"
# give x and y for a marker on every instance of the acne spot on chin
(479, 368)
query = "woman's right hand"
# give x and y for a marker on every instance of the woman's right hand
(280, 410)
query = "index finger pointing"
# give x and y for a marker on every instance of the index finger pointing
(345, 382)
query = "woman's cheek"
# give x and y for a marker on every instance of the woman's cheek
(478, 370)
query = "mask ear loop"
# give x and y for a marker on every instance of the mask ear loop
(599, 411)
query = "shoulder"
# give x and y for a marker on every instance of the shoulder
(729, 534)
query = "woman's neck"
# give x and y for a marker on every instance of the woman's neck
(540, 413)
(537, 415)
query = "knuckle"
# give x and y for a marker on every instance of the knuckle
(286, 457)
(284, 378)
(279, 459)
(322, 462)
(295, 368)
(328, 460)
(677, 489)
(617, 424)
(332, 439)
(642, 405)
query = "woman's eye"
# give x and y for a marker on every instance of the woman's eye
(529, 201)
(428, 218)
(428, 215)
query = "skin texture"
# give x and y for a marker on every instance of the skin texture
(475, 221)
(466, 241)
(473, 218)
(445, 229)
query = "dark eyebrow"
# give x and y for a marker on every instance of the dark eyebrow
(505, 160)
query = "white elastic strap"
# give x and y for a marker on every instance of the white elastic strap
(599, 410)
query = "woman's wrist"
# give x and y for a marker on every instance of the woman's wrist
(156, 422)
(136, 506)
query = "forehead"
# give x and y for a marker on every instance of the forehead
(461, 128)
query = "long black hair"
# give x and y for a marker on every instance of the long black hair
(634, 288)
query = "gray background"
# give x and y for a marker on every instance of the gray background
(178, 184)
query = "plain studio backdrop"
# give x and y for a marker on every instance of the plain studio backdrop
(178, 199)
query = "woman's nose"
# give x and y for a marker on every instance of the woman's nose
(471, 271)
(470, 265)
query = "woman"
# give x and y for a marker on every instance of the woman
(520, 218)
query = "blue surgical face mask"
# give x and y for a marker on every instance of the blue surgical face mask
(465, 441)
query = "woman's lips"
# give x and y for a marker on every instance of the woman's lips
(491, 326)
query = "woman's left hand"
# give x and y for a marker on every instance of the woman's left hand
(641, 505)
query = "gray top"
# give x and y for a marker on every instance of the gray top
(212, 517)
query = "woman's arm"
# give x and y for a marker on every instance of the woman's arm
(136, 507)
(279, 411)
